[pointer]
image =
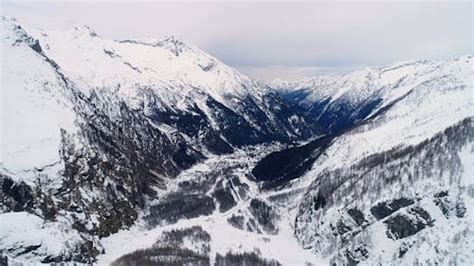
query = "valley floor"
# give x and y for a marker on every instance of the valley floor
(224, 237)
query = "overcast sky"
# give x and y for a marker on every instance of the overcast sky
(267, 40)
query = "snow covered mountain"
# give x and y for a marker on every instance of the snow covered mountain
(178, 87)
(397, 188)
(152, 152)
(92, 128)
(340, 102)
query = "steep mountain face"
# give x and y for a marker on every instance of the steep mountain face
(410, 204)
(94, 129)
(151, 152)
(179, 87)
(397, 189)
(86, 162)
(341, 102)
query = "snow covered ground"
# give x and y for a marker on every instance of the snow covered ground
(282, 247)
(33, 110)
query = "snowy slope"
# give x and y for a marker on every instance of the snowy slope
(394, 187)
(25, 233)
(394, 204)
(106, 63)
(224, 236)
(398, 184)
(341, 102)
(174, 77)
(92, 130)
(420, 111)
(34, 109)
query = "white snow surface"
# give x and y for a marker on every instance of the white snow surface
(20, 230)
(389, 82)
(444, 98)
(33, 108)
(282, 247)
(154, 63)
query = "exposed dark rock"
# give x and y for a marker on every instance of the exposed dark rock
(405, 225)
(444, 205)
(37, 47)
(208, 66)
(28, 249)
(441, 194)
(111, 53)
(404, 248)
(173, 45)
(342, 228)
(356, 255)
(384, 209)
(15, 196)
(460, 209)
(3, 259)
(319, 202)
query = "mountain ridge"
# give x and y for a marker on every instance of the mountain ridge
(339, 101)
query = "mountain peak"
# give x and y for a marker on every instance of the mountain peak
(7, 19)
(12, 32)
(85, 29)
(171, 39)
(169, 42)
(173, 44)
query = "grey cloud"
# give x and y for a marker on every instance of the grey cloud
(269, 35)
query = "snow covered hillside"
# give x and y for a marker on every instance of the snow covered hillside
(178, 87)
(93, 128)
(152, 152)
(340, 102)
(397, 188)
